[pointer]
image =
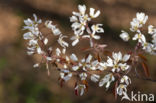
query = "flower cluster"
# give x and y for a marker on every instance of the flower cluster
(99, 67)
(137, 24)
(80, 24)
(38, 42)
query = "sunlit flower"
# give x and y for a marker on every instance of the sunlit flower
(135, 25)
(31, 23)
(107, 79)
(124, 36)
(125, 79)
(151, 29)
(93, 14)
(53, 28)
(84, 63)
(115, 62)
(62, 42)
(141, 17)
(121, 89)
(80, 88)
(140, 37)
(97, 29)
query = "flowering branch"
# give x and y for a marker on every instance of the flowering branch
(114, 66)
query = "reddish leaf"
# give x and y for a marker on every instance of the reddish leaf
(85, 49)
(98, 57)
(85, 82)
(86, 56)
(115, 94)
(61, 82)
(76, 92)
(142, 57)
(146, 70)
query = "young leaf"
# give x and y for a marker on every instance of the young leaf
(115, 93)
(146, 70)
(142, 57)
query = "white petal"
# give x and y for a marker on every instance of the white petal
(73, 57)
(75, 42)
(45, 41)
(82, 9)
(126, 57)
(75, 68)
(89, 58)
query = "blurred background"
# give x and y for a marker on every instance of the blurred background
(21, 83)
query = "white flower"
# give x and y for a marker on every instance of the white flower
(121, 89)
(135, 25)
(31, 25)
(66, 76)
(48, 24)
(97, 29)
(141, 17)
(125, 79)
(79, 20)
(140, 37)
(93, 14)
(30, 22)
(106, 80)
(84, 63)
(53, 28)
(115, 62)
(83, 76)
(151, 29)
(148, 47)
(124, 36)
(62, 42)
(78, 28)
(81, 88)
(60, 53)
(138, 22)
(95, 78)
